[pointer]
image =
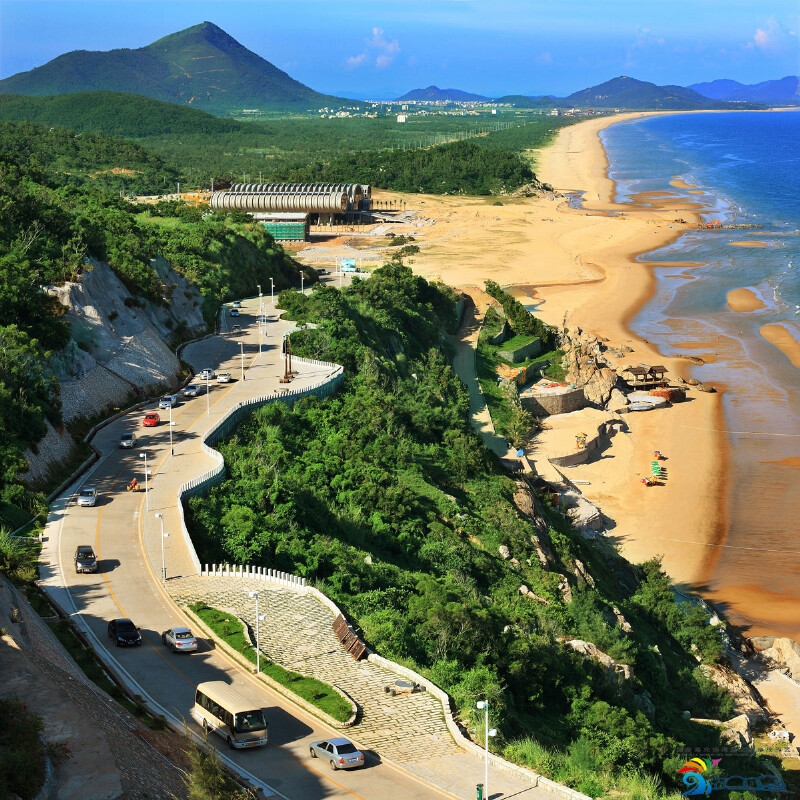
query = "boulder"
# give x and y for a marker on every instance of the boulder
(616, 672)
(598, 386)
(784, 654)
(617, 400)
(505, 553)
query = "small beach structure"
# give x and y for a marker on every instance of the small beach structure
(643, 376)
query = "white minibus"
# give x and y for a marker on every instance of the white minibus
(219, 707)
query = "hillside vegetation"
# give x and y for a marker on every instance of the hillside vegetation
(437, 154)
(384, 497)
(51, 222)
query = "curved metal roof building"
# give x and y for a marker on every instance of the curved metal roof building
(319, 198)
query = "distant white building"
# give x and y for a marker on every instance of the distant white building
(402, 117)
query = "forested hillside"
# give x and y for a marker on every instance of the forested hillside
(384, 497)
(437, 153)
(51, 221)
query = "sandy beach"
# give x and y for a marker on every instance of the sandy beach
(578, 266)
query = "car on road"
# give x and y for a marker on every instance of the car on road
(207, 374)
(234, 312)
(127, 440)
(192, 390)
(224, 377)
(168, 401)
(179, 640)
(236, 329)
(124, 633)
(339, 753)
(237, 303)
(87, 496)
(85, 559)
(151, 419)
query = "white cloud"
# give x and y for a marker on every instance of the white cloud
(772, 37)
(379, 51)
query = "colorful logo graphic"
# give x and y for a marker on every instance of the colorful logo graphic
(693, 779)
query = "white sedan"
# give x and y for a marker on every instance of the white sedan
(179, 640)
(224, 377)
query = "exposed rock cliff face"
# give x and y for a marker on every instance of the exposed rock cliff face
(118, 348)
(748, 701)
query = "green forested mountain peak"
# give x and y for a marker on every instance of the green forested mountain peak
(201, 66)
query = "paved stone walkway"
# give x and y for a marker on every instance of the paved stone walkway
(301, 638)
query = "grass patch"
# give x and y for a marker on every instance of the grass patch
(86, 659)
(231, 630)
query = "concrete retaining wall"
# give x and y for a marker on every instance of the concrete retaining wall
(542, 405)
(529, 350)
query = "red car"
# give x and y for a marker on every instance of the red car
(151, 419)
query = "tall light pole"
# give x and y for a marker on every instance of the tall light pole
(146, 482)
(171, 450)
(208, 394)
(164, 536)
(254, 596)
(301, 281)
(241, 351)
(272, 290)
(484, 704)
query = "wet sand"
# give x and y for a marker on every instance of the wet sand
(744, 300)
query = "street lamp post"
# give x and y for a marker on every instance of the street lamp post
(301, 282)
(484, 704)
(146, 482)
(254, 596)
(171, 450)
(241, 351)
(164, 536)
(208, 394)
(272, 290)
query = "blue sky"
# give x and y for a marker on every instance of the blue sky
(492, 47)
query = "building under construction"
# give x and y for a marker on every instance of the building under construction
(316, 203)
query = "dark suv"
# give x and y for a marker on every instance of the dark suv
(124, 633)
(85, 559)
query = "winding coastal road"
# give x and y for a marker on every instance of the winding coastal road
(127, 536)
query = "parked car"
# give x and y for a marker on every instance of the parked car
(234, 312)
(127, 439)
(85, 559)
(236, 329)
(179, 640)
(339, 753)
(168, 401)
(237, 303)
(207, 374)
(224, 377)
(151, 419)
(124, 633)
(191, 390)
(87, 496)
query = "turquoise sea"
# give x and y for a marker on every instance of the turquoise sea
(744, 170)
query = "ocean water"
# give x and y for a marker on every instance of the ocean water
(743, 169)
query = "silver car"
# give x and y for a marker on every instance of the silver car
(87, 496)
(191, 390)
(127, 440)
(339, 753)
(207, 374)
(224, 377)
(168, 401)
(179, 640)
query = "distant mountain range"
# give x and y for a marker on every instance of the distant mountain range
(783, 92)
(205, 68)
(201, 66)
(622, 92)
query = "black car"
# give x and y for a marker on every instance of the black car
(124, 633)
(85, 559)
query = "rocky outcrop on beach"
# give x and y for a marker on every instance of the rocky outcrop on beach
(781, 654)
